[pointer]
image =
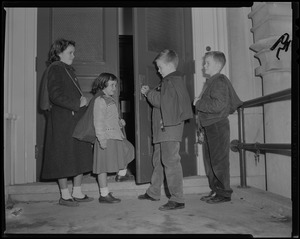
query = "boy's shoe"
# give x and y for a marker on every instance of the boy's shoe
(68, 202)
(209, 196)
(147, 197)
(218, 199)
(85, 199)
(171, 205)
(109, 199)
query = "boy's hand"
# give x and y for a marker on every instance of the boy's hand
(200, 135)
(145, 89)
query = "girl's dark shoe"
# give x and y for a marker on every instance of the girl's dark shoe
(85, 199)
(109, 199)
(68, 202)
(122, 178)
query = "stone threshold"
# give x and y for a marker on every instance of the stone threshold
(48, 191)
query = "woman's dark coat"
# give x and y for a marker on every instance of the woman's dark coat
(64, 155)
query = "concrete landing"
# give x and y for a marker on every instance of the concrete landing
(251, 213)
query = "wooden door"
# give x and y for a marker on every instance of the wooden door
(154, 30)
(95, 32)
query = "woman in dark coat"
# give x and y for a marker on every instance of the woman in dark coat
(64, 104)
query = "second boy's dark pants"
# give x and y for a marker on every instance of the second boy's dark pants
(216, 157)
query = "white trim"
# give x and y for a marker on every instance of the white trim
(20, 95)
(30, 93)
(8, 150)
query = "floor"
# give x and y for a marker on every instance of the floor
(251, 213)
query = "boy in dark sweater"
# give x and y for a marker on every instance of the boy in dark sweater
(217, 100)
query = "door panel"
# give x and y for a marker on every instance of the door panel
(95, 32)
(154, 30)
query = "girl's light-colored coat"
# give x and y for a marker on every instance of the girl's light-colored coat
(106, 119)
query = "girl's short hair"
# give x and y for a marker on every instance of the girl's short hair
(57, 47)
(218, 56)
(101, 82)
(168, 56)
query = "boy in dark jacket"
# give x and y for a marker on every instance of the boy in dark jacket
(171, 107)
(217, 100)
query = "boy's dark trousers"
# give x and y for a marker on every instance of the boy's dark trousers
(216, 157)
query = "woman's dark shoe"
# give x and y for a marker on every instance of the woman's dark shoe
(147, 197)
(209, 196)
(218, 199)
(109, 199)
(171, 205)
(68, 202)
(85, 199)
(122, 178)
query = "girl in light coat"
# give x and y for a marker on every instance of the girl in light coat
(112, 152)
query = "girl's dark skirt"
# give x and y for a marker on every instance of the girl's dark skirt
(117, 155)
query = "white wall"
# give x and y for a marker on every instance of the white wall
(209, 30)
(248, 86)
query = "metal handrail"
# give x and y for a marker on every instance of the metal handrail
(240, 145)
(278, 96)
(235, 146)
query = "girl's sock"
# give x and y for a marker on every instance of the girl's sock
(77, 193)
(65, 194)
(122, 172)
(104, 192)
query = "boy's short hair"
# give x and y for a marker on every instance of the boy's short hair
(168, 56)
(218, 56)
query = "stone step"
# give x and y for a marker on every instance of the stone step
(48, 191)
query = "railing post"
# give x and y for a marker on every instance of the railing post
(241, 146)
(243, 173)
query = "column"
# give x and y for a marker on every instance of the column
(272, 32)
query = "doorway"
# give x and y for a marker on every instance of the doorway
(126, 98)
